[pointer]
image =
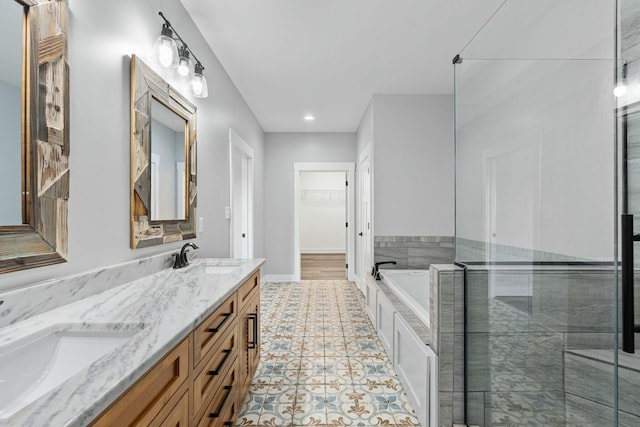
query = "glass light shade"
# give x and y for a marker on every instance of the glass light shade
(185, 64)
(199, 83)
(165, 51)
(199, 86)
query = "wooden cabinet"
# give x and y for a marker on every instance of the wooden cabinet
(207, 334)
(146, 399)
(249, 309)
(213, 377)
(202, 382)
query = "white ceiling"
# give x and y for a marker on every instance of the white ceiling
(289, 58)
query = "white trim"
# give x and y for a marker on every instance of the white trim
(237, 145)
(278, 278)
(349, 168)
(366, 152)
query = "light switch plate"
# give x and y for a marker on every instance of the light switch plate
(200, 224)
(227, 212)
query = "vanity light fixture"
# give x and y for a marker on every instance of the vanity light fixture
(309, 118)
(166, 51)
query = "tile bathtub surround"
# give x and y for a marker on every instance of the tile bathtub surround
(23, 303)
(322, 362)
(413, 252)
(447, 339)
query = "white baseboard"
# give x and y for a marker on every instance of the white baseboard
(277, 278)
(322, 251)
(357, 280)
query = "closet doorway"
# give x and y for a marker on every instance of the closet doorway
(324, 204)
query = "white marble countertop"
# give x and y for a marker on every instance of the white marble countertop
(164, 307)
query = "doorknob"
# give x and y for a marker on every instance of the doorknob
(360, 234)
(244, 235)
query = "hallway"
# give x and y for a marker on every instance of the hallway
(322, 362)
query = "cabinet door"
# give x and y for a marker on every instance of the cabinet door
(250, 338)
(254, 336)
(147, 398)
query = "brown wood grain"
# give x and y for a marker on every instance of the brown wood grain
(323, 266)
(45, 144)
(146, 85)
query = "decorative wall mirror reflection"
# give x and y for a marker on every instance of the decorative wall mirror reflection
(163, 160)
(34, 133)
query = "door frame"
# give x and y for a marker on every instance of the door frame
(237, 146)
(367, 238)
(348, 168)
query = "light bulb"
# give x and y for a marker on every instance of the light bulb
(196, 85)
(185, 64)
(620, 90)
(165, 55)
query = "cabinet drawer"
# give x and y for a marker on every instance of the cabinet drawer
(144, 400)
(218, 363)
(249, 288)
(206, 335)
(176, 416)
(223, 409)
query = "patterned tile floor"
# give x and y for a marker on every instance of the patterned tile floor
(322, 362)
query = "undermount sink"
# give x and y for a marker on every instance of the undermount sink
(220, 268)
(38, 366)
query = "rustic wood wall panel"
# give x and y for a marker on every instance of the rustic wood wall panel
(146, 85)
(42, 240)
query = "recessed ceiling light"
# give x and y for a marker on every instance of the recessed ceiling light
(309, 118)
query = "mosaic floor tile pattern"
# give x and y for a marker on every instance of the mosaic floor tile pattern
(322, 362)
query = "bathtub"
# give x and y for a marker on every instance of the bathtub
(412, 288)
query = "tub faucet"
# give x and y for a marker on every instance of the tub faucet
(181, 258)
(376, 268)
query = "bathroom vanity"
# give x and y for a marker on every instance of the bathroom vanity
(181, 347)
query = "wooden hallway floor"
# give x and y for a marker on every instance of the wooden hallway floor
(323, 266)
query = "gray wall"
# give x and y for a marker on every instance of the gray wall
(102, 36)
(282, 150)
(10, 170)
(413, 165)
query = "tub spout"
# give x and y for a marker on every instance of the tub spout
(376, 268)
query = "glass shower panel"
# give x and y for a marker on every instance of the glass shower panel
(535, 215)
(628, 113)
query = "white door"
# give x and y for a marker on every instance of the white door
(365, 233)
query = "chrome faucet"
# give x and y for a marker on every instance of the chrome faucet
(181, 260)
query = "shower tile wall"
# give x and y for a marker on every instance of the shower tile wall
(413, 252)
(540, 357)
(476, 250)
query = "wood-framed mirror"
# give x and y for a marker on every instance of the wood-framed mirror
(163, 160)
(41, 237)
